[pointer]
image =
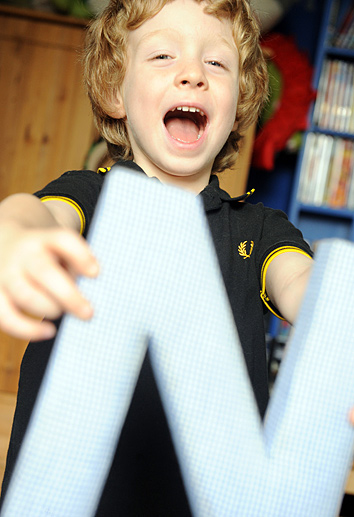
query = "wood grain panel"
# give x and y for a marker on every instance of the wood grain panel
(46, 122)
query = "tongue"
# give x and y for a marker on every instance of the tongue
(182, 129)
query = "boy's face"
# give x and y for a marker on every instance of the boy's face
(180, 91)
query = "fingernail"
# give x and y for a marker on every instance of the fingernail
(87, 311)
(93, 269)
(49, 332)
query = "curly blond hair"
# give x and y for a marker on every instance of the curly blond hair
(104, 61)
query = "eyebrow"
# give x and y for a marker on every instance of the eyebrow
(227, 44)
(151, 35)
(168, 32)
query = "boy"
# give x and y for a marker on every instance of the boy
(172, 84)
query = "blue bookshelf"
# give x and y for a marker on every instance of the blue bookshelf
(318, 220)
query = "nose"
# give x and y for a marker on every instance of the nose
(192, 74)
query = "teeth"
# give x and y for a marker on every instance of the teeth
(183, 141)
(189, 108)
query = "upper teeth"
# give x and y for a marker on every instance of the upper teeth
(189, 108)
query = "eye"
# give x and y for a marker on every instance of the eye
(162, 56)
(213, 62)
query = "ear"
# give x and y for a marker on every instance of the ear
(115, 106)
(235, 126)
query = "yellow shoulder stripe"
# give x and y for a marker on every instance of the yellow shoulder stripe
(71, 203)
(268, 260)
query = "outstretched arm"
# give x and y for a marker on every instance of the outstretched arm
(286, 282)
(41, 253)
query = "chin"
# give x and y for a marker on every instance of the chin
(187, 166)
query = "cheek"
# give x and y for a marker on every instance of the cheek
(231, 112)
(141, 98)
(133, 102)
(229, 119)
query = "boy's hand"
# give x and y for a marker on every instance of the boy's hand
(37, 279)
(351, 416)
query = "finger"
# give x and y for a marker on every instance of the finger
(21, 326)
(351, 417)
(57, 283)
(32, 299)
(74, 251)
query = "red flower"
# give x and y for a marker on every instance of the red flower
(296, 96)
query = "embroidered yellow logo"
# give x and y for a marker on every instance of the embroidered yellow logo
(242, 249)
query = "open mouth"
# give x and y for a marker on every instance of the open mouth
(185, 123)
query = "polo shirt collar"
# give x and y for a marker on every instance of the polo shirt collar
(213, 196)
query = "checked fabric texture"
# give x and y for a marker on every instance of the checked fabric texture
(160, 286)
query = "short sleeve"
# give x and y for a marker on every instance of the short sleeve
(81, 189)
(279, 236)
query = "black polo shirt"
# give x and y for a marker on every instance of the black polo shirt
(145, 479)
